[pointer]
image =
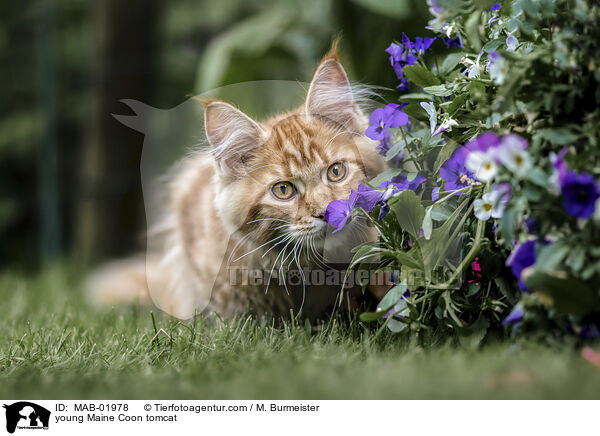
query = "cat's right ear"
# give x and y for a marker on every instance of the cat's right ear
(233, 135)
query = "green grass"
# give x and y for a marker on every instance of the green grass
(52, 345)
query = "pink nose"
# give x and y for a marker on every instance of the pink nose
(320, 217)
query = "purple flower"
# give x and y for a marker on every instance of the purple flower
(495, 7)
(514, 318)
(497, 67)
(523, 256)
(483, 142)
(580, 192)
(454, 172)
(533, 226)
(338, 212)
(385, 118)
(404, 85)
(434, 7)
(435, 194)
(453, 42)
(384, 146)
(399, 58)
(559, 165)
(367, 197)
(419, 47)
(586, 331)
(589, 331)
(401, 182)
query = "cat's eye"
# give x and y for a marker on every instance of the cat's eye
(337, 172)
(283, 190)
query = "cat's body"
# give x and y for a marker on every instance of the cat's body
(239, 219)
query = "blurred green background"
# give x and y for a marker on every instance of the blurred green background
(69, 172)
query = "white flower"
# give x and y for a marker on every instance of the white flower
(430, 109)
(554, 179)
(483, 206)
(492, 203)
(482, 164)
(446, 125)
(512, 153)
(512, 43)
(473, 67)
(474, 71)
(497, 67)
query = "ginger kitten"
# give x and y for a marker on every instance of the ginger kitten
(244, 226)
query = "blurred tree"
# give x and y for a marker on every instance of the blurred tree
(110, 210)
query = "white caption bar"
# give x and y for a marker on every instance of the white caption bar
(265, 417)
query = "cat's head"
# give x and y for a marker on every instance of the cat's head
(277, 176)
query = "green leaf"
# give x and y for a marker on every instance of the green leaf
(577, 258)
(472, 30)
(493, 45)
(532, 194)
(371, 316)
(438, 90)
(450, 63)
(387, 8)
(558, 136)
(550, 256)
(385, 176)
(493, 119)
(536, 175)
(442, 238)
(416, 111)
(415, 96)
(477, 90)
(507, 224)
(407, 259)
(363, 252)
(392, 297)
(568, 295)
(420, 76)
(444, 154)
(409, 212)
(457, 103)
(509, 290)
(473, 289)
(441, 212)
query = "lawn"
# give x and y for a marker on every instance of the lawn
(53, 345)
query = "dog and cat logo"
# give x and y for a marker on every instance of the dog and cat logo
(26, 415)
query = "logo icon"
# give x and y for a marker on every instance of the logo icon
(26, 415)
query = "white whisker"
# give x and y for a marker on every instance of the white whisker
(288, 236)
(267, 219)
(259, 247)
(236, 247)
(275, 262)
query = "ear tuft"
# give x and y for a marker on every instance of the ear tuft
(233, 135)
(333, 52)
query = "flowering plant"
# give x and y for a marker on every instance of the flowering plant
(490, 211)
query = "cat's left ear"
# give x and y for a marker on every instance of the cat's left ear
(330, 95)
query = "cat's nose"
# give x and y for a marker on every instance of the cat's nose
(319, 216)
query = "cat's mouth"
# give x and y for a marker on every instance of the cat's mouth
(316, 229)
